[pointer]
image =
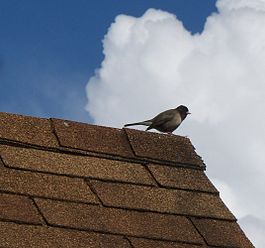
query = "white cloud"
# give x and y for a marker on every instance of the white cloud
(228, 196)
(228, 5)
(255, 228)
(153, 63)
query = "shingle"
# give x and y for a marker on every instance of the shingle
(17, 236)
(149, 243)
(167, 214)
(39, 184)
(134, 223)
(171, 148)
(161, 200)
(182, 178)
(92, 138)
(222, 233)
(82, 166)
(30, 130)
(18, 208)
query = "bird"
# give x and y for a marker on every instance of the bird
(165, 122)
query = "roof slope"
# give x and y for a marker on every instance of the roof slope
(68, 184)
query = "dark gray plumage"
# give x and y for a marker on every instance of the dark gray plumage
(167, 121)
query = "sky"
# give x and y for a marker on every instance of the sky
(114, 62)
(49, 49)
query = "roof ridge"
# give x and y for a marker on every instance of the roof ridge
(81, 138)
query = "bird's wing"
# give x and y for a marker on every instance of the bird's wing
(164, 117)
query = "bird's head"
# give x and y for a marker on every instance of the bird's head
(184, 111)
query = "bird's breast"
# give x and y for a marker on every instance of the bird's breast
(176, 119)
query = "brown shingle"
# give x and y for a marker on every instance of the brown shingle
(171, 148)
(148, 243)
(161, 200)
(92, 138)
(97, 218)
(36, 131)
(182, 178)
(81, 166)
(17, 236)
(40, 184)
(222, 233)
(90, 197)
(18, 208)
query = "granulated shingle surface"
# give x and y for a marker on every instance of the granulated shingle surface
(170, 148)
(148, 243)
(45, 185)
(92, 138)
(18, 236)
(221, 233)
(69, 184)
(118, 221)
(182, 178)
(18, 208)
(161, 200)
(25, 129)
(73, 165)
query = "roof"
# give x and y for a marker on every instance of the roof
(69, 184)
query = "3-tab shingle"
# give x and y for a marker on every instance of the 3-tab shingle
(69, 184)
(169, 148)
(222, 233)
(149, 243)
(25, 129)
(18, 208)
(118, 221)
(18, 236)
(182, 178)
(44, 185)
(92, 138)
(161, 200)
(74, 165)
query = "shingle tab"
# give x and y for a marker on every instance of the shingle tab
(161, 200)
(164, 147)
(182, 178)
(92, 138)
(118, 221)
(149, 243)
(81, 166)
(30, 130)
(40, 184)
(17, 236)
(69, 184)
(18, 208)
(222, 233)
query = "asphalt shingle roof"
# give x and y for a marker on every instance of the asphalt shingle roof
(70, 184)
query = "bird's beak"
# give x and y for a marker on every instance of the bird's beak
(189, 113)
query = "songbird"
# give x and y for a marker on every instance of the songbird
(167, 121)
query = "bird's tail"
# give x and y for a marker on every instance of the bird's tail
(144, 123)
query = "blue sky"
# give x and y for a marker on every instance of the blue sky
(49, 49)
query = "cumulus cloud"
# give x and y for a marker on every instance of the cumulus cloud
(153, 63)
(255, 228)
